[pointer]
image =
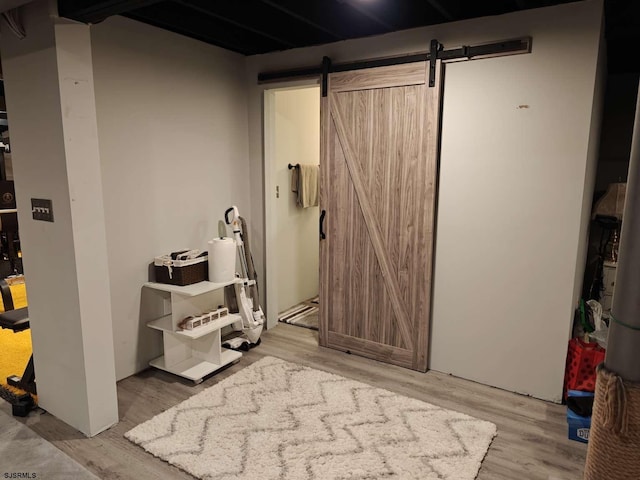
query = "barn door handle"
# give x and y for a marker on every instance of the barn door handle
(322, 215)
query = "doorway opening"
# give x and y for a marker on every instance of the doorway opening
(292, 143)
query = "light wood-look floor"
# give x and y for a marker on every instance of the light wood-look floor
(531, 443)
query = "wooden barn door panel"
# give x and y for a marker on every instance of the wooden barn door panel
(379, 162)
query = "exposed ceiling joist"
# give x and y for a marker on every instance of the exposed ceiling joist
(88, 11)
(361, 9)
(437, 5)
(193, 5)
(301, 18)
(167, 25)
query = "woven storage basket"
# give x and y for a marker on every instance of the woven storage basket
(614, 439)
(176, 272)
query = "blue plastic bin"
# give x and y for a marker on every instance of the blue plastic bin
(578, 426)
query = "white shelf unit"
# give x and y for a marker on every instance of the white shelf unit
(191, 354)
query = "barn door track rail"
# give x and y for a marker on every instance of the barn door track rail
(437, 52)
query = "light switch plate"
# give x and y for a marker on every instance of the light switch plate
(42, 209)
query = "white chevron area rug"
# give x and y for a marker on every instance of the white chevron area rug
(280, 420)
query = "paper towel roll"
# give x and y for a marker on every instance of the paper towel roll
(222, 260)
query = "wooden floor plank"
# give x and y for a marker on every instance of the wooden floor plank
(532, 435)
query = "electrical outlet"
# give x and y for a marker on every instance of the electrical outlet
(277, 191)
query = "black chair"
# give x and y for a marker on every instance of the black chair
(17, 320)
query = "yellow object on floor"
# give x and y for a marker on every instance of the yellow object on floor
(15, 350)
(15, 347)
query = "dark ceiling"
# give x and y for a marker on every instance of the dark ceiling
(259, 26)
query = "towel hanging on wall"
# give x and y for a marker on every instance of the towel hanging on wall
(304, 183)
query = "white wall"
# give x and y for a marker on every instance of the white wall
(172, 119)
(511, 192)
(297, 140)
(511, 206)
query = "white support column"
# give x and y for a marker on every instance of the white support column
(48, 79)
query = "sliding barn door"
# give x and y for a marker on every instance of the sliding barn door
(379, 146)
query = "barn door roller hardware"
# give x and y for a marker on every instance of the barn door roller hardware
(436, 48)
(467, 52)
(326, 68)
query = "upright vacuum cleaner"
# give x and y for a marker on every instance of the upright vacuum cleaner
(243, 297)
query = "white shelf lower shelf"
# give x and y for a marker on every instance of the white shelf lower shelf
(164, 324)
(193, 368)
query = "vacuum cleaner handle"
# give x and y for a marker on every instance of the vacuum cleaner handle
(236, 214)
